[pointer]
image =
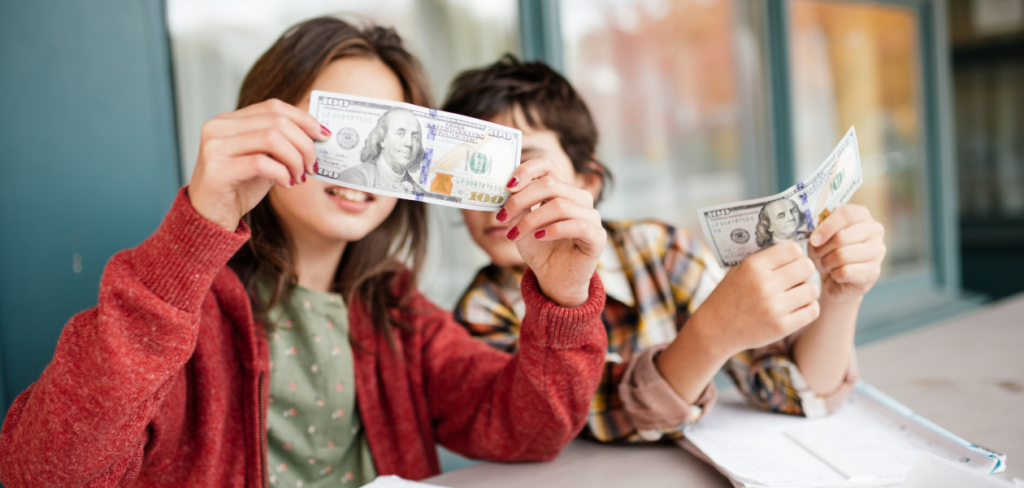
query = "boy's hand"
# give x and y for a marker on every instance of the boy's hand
(562, 239)
(763, 299)
(243, 153)
(847, 249)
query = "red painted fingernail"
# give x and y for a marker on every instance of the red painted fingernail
(303, 177)
(513, 182)
(291, 183)
(540, 233)
(501, 215)
(316, 167)
(512, 234)
(325, 131)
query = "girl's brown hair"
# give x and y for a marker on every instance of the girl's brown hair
(369, 266)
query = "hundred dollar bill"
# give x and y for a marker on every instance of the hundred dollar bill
(737, 230)
(411, 152)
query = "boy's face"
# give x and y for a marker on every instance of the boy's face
(484, 227)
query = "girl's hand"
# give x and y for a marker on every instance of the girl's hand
(847, 249)
(562, 239)
(243, 153)
(763, 299)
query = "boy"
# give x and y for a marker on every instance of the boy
(673, 317)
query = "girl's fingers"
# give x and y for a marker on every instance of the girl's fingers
(799, 297)
(589, 236)
(862, 252)
(265, 141)
(540, 191)
(556, 210)
(229, 127)
(262, 166)
(776, 256)
(528, 171)
(854, 233)
(857, 273)
(302, 119)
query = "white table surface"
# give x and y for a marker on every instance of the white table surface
(965, 374)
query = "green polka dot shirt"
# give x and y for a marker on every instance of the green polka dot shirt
(314, 433)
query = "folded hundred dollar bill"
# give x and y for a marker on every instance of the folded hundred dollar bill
(407, 151)
(737, 230)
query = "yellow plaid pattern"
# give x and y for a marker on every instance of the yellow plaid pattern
(670, 274)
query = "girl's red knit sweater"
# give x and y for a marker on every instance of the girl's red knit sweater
(164, 382)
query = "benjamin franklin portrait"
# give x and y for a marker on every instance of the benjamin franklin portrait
(393, 147)
(779, 220)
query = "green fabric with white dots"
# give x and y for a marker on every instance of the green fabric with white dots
(314, 433)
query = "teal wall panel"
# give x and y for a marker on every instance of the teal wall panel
(88, 154)
(540, 28)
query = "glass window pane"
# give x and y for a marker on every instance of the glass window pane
(673, 86)
(215, 42)
(857, 64)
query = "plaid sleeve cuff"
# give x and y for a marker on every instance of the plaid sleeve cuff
(652, 405)
(774, 383)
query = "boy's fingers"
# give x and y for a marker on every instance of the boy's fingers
(841, 218)
(777, 256)
(862, 252)
(303, 120)
(799, 297)
(855, 233)
(802, 316)
(857, 273)
(794, 274)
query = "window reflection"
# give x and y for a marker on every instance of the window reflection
(857, 64)
(215, 42)
(662, 79)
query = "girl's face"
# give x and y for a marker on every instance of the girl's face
(484, 227)
(323, 212)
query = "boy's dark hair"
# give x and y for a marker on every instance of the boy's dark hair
(541, 93)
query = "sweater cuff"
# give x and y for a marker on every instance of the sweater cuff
(179, 262)
(566, 328)
(650, 402)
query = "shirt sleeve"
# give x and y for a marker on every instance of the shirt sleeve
(488, 311)
(526, 406)
(653, 407)
(692, 269)
(649, 404)
(767, 376)
(771, 381)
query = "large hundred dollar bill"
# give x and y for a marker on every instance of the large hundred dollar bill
(737, 230)
(411, 152)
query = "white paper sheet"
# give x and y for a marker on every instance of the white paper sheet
(752, 446)
(392, 481)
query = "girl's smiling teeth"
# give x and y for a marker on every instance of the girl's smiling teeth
(349, 194)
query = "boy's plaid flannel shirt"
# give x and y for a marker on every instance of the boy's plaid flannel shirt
(655, 277)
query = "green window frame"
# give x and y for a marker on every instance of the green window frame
(896, 303)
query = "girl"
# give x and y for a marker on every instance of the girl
(673, 317)
(310, 359)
